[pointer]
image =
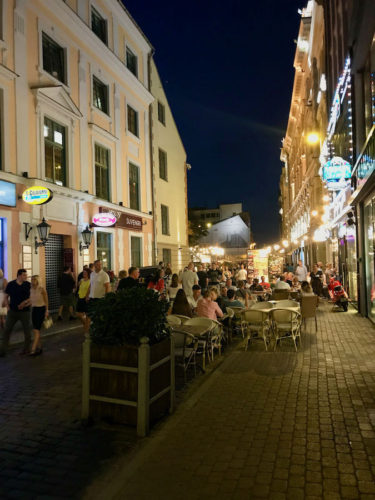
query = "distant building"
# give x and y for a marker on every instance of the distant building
(227, 227)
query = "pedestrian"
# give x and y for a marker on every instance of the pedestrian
(17, 299)
(242, 274)
(121, 275)
(99, 282)
(81, 273)
(66, 285)
(131, 281)
(39, 312)
(301, 272)
(202, 277)
(189, 278)
(82, 303)
(3, 310)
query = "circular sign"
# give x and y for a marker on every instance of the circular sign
(37, 195)
(104, 219)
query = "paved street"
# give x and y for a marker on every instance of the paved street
(268, 425)
(44, 450)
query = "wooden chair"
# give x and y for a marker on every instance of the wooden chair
(308, 309)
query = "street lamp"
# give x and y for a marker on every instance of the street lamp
(276, 247)
(87, 237)
(314, 213)
(285, 243)
(43, 232)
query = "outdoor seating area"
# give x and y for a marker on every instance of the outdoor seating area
(273, 322)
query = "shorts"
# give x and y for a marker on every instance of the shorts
(37, 317)
(82, 306)
(67, 300)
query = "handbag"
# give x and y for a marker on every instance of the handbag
(47, 323)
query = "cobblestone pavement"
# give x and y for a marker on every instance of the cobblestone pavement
(44, 450)
(268, 425)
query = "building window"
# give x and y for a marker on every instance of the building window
(161, 112)
(99, 25)
(102, 172)
(53, 58)
(104, 249)
(132, 121)
(134, 187)
(163, 173)
(100, 95)
(131, 62)
(136, 251)
(54, 152)
(164, 219)
(167, 256)
(27, 259)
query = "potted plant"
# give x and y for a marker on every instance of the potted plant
(128, 359)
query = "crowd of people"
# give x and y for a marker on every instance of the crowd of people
(202, 290)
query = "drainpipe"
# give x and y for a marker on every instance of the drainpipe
(154, 245)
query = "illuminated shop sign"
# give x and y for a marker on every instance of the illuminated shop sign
(336, 169)
(104, 219)
(7, 194)
(37, 195)
(124, 220)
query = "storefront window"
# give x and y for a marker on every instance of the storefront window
(103, 249)
(369, 225)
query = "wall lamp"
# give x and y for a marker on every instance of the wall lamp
(43, 232)
(87, 238)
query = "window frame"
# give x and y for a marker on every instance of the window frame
(161, 106)
(46, 116)
(128, 106)
(133, 52)
(106, 87)
(104, 18)
(139, 186)
(140, 237)
(167, 233)
(165, 166)
(110, 232)
(58, 37)
(53, 39)
(108, 150)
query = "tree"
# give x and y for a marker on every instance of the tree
(196, 231)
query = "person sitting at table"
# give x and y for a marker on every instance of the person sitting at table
(256, 287)
(296, 285)
(289, 278)
(207, 307)
(231, 301)
(173, 288)
(181, 305)
(282, 284)
(249, 282)
(263, 283)
(306, 290)
(242, 293)
(193, 300)
(229, 284)
(157, 281)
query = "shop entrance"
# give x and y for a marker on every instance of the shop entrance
(54, 268)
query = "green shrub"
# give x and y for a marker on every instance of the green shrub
(127, 316)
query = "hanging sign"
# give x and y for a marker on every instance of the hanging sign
(124, 220)
(37, 195)
(104, 219)
(336, 169)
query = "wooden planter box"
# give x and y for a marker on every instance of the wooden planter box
(128, 384)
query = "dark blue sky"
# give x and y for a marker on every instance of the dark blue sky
(227, 69)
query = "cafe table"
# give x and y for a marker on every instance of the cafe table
(198, 331)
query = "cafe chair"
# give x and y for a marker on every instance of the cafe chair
(286, 325)
(262, 305)
(280, 294)
(181, 317)
(173, 320)
(287, 303)
(257, 326)
(185, 350)
(308, 309)
(237, 321)
(227, 323)
(204, 342)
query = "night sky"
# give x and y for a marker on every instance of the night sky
(227, 70)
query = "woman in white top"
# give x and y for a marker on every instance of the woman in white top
(174, 287)
(39, 303)
(3, 310)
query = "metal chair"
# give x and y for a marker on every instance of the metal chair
(257, 322)
(185, 349)
(287, 303)
(286, 324)
(205, 341)
(238, 319)
(181, 317)
(173, 320)
(262, 305)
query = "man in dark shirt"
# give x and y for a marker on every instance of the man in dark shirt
(214, 275)
(131, 281)
(202, 277)
(17, 300)
(66, 285)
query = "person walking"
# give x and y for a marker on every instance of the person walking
(83, 293)
(99, 282)
(3, 310)
(301, 272)
(131, 281)
(66, 285)
(17, 299)
(189, 278)
(39, 312)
